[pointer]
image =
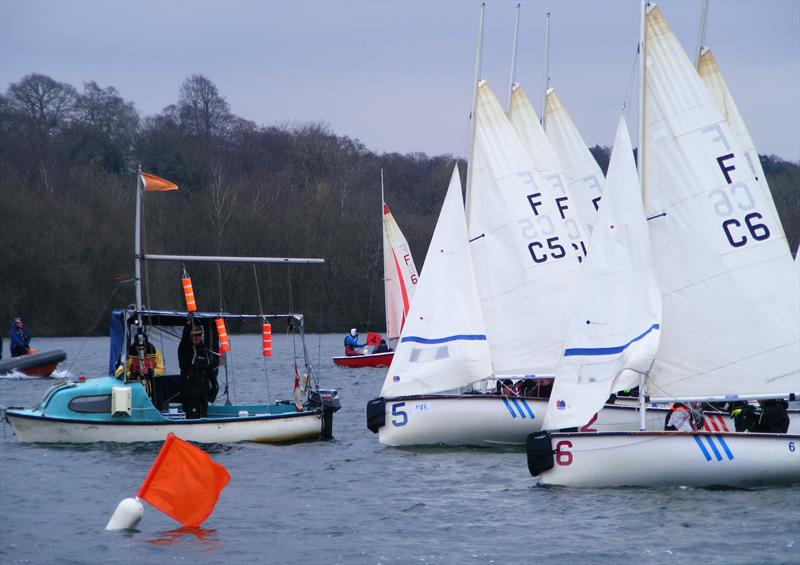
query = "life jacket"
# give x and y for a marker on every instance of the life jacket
(138, 367)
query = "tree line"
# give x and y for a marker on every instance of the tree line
(67, 208)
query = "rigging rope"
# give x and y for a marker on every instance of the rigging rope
(94, 325)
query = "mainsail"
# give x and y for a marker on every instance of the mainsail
(526, 268)
(731, 307)
(583, 173)
(615, 327)
(712, 77)
(400, 275)
(443, 344)
(531, 133)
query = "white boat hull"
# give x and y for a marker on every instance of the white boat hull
(485, 420)
(261, 430)
(654, 459)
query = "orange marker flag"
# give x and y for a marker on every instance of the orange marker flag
(373, 339)
(184, 482)
(152, 183)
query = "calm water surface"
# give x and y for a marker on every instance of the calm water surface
(353, 500)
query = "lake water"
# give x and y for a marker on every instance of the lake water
(353, 500)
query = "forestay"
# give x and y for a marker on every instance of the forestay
(443, 344)
(731, 313)
(526, 123)
(399, 272)
(583, 174)
(712, 77)
(526, 269)
(615, 328)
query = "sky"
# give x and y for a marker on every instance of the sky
(398, 75)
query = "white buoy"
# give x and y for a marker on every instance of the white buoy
(127, 515)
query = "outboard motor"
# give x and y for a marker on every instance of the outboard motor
(540, 453)
(329, 400)
(376, 414)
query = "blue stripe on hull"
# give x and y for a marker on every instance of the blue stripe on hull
(702, 448)
(510, 409)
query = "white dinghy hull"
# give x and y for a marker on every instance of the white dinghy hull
(657, 459)
(261, 430)
(486, 420)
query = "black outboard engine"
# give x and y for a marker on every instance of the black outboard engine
(540, 453)
(329, 400)
(376, 414)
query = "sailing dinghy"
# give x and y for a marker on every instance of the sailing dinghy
(399, 282)
(731, 313)
(439, 390)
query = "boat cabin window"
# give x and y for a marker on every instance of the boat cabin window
(91, 404)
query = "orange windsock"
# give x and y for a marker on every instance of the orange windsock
(224, 344)
(266, 339)
(152, 183)
(188, 293)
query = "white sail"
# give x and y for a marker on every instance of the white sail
(531, 133)
(731, 313)
(525, 267)
(584, 175)
(400, 275)
(712, 77)
(615, 327)
(443, 344)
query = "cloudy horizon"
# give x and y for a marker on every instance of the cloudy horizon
(397, 75)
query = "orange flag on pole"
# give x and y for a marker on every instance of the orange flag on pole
(152, 183)
(184, 482)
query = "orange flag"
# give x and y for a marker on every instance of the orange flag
(373, 339)
(184, 482)
(152, 183)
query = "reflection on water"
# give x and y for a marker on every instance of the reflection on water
(185, 535)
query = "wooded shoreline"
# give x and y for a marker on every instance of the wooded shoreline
(67, 208)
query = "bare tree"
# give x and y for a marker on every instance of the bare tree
(202, 109)
(46, 103)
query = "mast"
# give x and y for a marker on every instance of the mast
(546, 72)
(513, 70)
(137, 241)
(642, 65)
(383, 259)
(640, 168)
(701, 34)
(476, 78)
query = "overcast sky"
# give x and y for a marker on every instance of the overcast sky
(398, 75)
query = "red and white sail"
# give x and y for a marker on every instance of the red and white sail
(399, 275)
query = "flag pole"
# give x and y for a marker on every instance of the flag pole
(137, 252)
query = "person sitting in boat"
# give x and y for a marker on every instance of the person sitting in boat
(773, 418)
(198, 379)
(145, 363)
(382, 347)
(20, 338)
(351, 345)
(683, 418)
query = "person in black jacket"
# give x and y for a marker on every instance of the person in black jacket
(198, 366)
(774, 418)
